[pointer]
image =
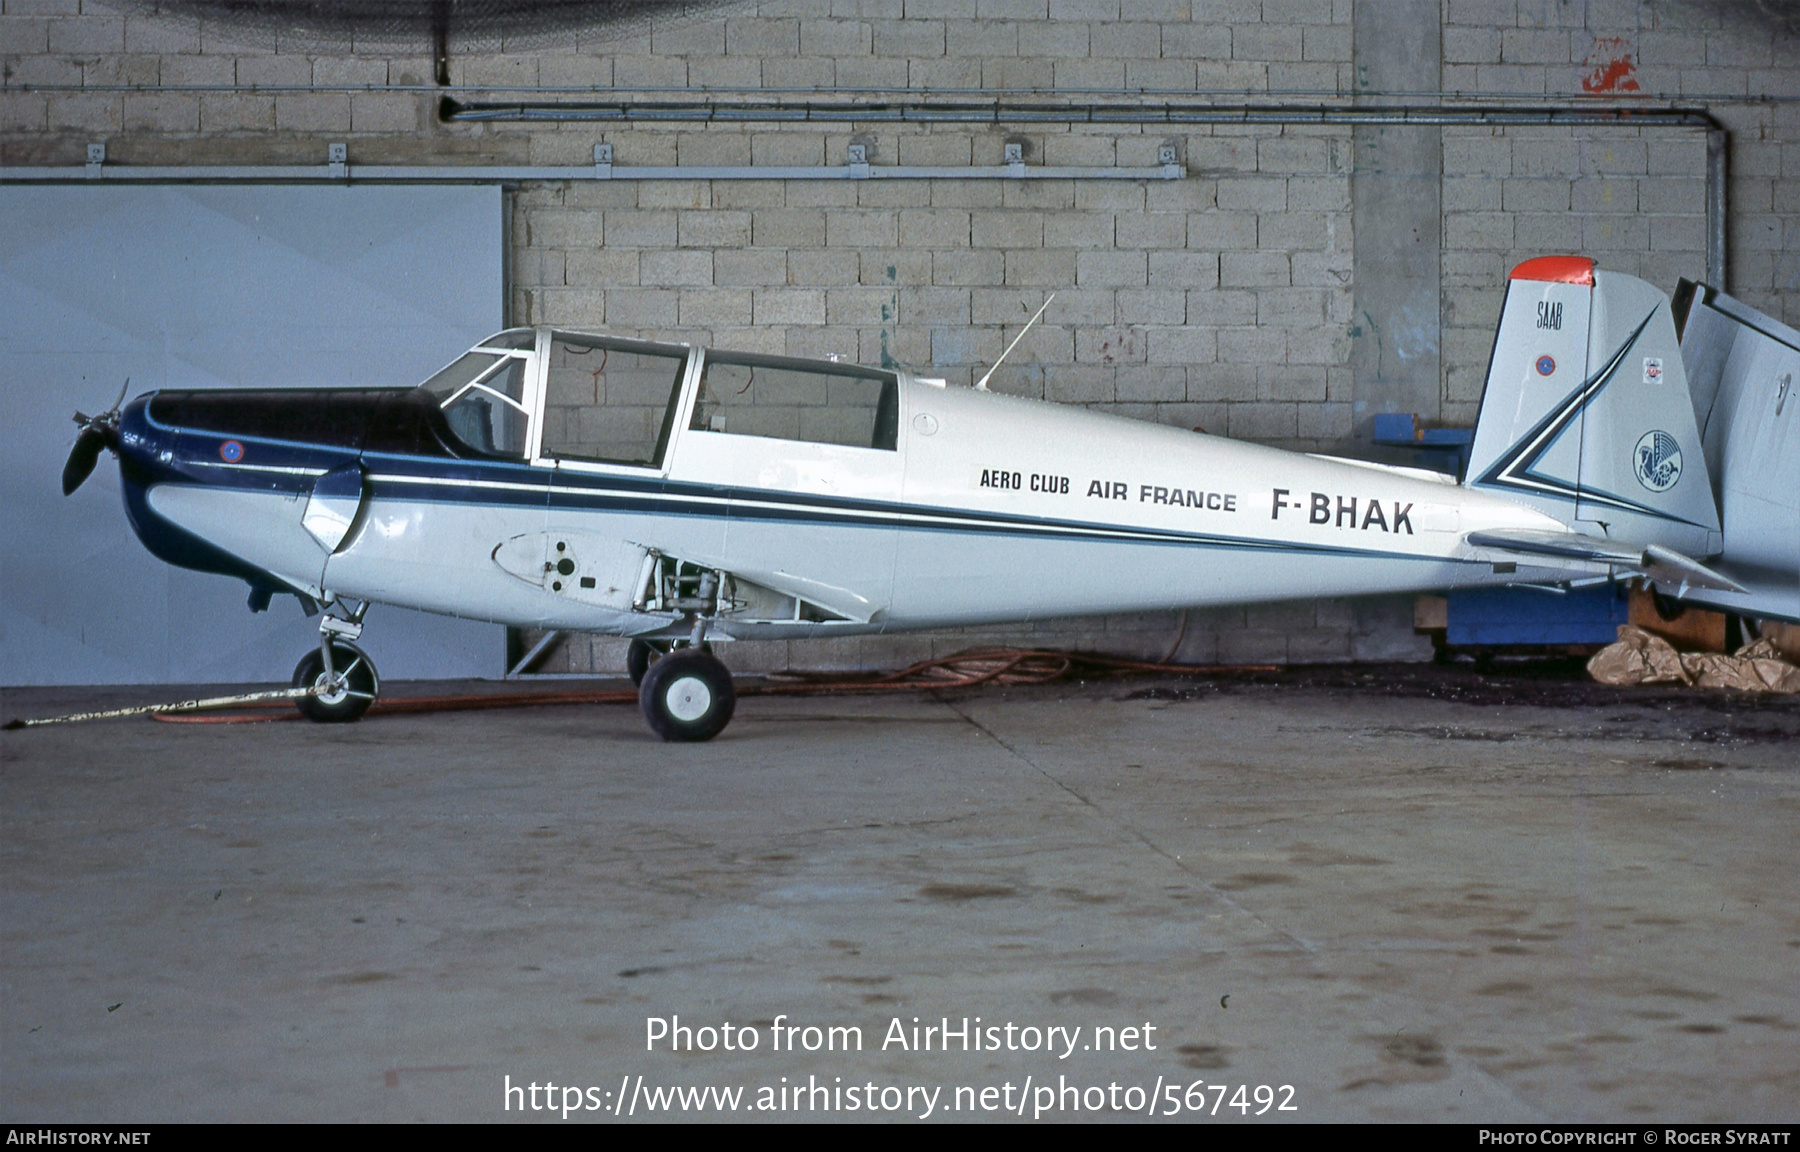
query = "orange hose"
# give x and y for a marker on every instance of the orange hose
(960, 670)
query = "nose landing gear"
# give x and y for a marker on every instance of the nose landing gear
(342, 673)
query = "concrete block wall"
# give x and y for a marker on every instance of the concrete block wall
(1223, 301)
(1632, 198)
(1217, 301)
(1220, 301)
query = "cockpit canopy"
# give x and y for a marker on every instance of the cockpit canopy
(609, 400)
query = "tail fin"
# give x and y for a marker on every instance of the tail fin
(1742, 366)
(1587, 416)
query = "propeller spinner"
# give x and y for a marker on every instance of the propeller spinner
(97, 432)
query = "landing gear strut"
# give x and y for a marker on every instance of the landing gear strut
(686, 695)
(343, 673)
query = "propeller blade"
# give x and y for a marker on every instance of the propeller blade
(82, 458)
(97, 433)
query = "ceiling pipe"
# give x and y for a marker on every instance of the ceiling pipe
(1718, 218)
(339, 171)
(1003, 111)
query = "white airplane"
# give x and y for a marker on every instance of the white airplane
(685, 496)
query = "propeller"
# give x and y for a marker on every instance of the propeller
(97, 432)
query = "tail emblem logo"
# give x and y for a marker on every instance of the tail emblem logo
(1545, 365)
(1657, 461)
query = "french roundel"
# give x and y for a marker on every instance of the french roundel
(1545, 365)
(231, 451)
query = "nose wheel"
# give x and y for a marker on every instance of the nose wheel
(341, 674)
(687, 696)
(346, 689)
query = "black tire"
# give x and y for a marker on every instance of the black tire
(687, 696)
(638, 659)
(348, 704)
(643, 653)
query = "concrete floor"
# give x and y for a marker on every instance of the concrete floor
(1525, 900)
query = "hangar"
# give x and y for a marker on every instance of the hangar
(1480, 896)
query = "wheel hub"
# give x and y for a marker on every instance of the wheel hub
(688, 699)
(332, 689)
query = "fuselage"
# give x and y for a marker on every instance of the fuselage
(918, 506)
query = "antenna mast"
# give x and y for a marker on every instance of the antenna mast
(981, 384)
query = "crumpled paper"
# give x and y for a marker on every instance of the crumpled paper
(1638, 657)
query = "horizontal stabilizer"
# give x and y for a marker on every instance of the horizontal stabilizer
(1563, 545)
(1664, 565)
(1667, 566)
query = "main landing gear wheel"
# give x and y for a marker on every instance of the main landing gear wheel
(639, 657)
(643, 653)
(687, 696)
(343, 697)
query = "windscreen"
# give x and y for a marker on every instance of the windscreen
(449, 381)
(483, 400)
(521, 339)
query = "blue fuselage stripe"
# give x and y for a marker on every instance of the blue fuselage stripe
(658, 497)
(504, 484)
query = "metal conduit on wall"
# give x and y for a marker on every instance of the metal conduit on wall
(1144, 112)
(338, 170)
(1001, 111)
(839, 111)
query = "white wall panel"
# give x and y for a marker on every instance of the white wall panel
(200, 287)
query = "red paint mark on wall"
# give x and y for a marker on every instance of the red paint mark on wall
(1613, 68)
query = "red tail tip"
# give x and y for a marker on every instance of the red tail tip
(1557, 270)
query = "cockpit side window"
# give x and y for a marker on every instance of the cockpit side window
(610, 401)
(788, 400)
(487, 410)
